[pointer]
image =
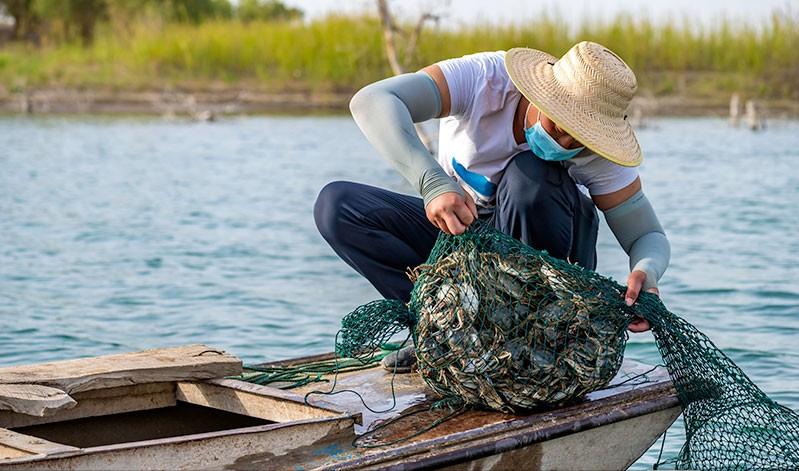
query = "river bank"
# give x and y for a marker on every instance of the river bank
(233, 101)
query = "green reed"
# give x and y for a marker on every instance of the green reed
(342, 53)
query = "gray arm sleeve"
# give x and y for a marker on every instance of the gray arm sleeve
(640, 234)
(386, 110)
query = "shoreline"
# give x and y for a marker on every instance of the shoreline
(207, 104)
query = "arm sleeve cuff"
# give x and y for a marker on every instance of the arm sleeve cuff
(651, 256)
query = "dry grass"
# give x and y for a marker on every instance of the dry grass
(345, 52)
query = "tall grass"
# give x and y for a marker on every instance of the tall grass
(345, 52)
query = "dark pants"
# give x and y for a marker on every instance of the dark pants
(381, 233)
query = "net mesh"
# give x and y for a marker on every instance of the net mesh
(498, 324)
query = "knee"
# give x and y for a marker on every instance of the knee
(330, 206)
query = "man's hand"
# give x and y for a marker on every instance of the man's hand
(451, 212)
(634, 283)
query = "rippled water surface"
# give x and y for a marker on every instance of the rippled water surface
(130, 233)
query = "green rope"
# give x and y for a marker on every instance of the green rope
(295, 376)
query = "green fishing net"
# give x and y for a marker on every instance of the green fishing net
(500, 325)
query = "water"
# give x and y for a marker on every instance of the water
(130, 233)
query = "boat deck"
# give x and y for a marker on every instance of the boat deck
(640, 397)
(174, 409)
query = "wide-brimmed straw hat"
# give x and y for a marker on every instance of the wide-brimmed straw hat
(586, 92)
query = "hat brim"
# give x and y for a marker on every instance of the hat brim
(610, 137)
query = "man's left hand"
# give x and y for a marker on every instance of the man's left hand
(634, 283)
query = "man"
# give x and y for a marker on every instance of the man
(521, 133)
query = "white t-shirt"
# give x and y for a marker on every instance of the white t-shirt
(476, 141)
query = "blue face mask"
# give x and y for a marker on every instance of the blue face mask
(545, 146)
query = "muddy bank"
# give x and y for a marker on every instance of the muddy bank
(204, 103)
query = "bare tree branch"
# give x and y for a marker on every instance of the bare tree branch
(389, 28)
(410, 51)
(398, 65)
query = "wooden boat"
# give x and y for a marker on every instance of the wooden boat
(171, 409)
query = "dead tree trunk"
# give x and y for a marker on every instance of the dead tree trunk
(389, 30)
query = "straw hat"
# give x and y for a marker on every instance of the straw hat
(586, 92)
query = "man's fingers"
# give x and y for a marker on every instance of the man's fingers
(464, 214)
(442, 224)
(451, 212)
(438, 222)
(454, 226)
(470, 204)
(448, 223)
(634, 282)
(638, 325)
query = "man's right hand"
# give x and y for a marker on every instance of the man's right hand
(451, 212)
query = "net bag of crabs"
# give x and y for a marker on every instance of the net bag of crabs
(499, 328)
(501, 325)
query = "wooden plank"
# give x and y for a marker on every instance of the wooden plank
(251, 399)
(8, 452)
(102, 402)
(236, 449)
(191, 362)
(125, 391)
(32, 445)
(299, 360)
(34, 399)
(287, 395)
